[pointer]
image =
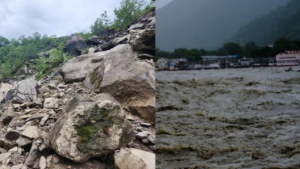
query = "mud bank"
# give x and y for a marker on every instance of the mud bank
(234, 118)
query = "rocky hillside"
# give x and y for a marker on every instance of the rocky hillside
(96, 111)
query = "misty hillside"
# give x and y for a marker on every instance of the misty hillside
(283, 22)
(206, 23)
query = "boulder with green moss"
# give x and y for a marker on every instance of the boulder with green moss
(89, 127)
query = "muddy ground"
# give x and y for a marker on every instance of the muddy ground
(233, 118)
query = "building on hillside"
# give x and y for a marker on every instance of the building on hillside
(288, 58)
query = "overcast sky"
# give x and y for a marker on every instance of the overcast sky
(51, 17)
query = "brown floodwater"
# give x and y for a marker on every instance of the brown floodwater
(228, 118)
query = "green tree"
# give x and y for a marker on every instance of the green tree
(3, 41)
(100, 24)
(129, 11)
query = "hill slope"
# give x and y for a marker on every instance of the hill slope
(206, 23)
(282, 22)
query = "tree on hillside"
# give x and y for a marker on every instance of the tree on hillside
(231, 49)
(129, 11)
(100, 23)
(3, 41)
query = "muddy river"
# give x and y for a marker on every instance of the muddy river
(232, 118)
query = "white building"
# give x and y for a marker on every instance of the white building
(288, 58)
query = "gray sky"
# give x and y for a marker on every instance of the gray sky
(51, 17)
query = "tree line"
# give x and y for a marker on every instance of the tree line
(250, 49)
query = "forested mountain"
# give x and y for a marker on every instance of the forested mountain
(16, 52)
(206, 23)
(282, 22)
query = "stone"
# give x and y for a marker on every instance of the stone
(26, 90)
(51, 103)
(143, 134)
(4, 156)
(142, 39)
(107, 46)
(4, 167)
(119, 40)
(145, 141)
(6, 92)
(34, 155)
(75, 45)
(21, 151)
(62, 86)
(7, 116)
(127, 158)
(136, 26)
(15, 149)
(94, 40)
(151, 138)
(12, 135)
(43, 163)
(31, 132)
(44, 119)
(18, 166)
(96, 127)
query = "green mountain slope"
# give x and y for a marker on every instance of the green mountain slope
(282, 22)
(206, 23)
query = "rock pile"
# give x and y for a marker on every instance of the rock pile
(97, 112)
(143, 27)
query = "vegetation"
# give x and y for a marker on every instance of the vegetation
(282, 22)
(15, 53)
(248, 50)
(129, 11)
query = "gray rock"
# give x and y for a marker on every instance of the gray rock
(43, 163)
(134, 157)
(18, 166)
(33, 156)
(23, 141)
(105, 120)
(119, 73)
(75, 45)
(136, 26)
(142, 39)
(31, 132)
(26, 90)
(94, 40)
(151, 138)
(51, 103)
(4, 156)
(6, 92)
(143, 134)
(12, 135)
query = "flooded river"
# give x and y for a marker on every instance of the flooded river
(229, 118)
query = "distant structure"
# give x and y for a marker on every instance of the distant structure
(288, 58)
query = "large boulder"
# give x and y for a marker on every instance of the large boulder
(142, 40)
(94, 40)
(26, 90)
(89, 127)
(75, 45)
(6, 92)
(119, 73)
(134, 158)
